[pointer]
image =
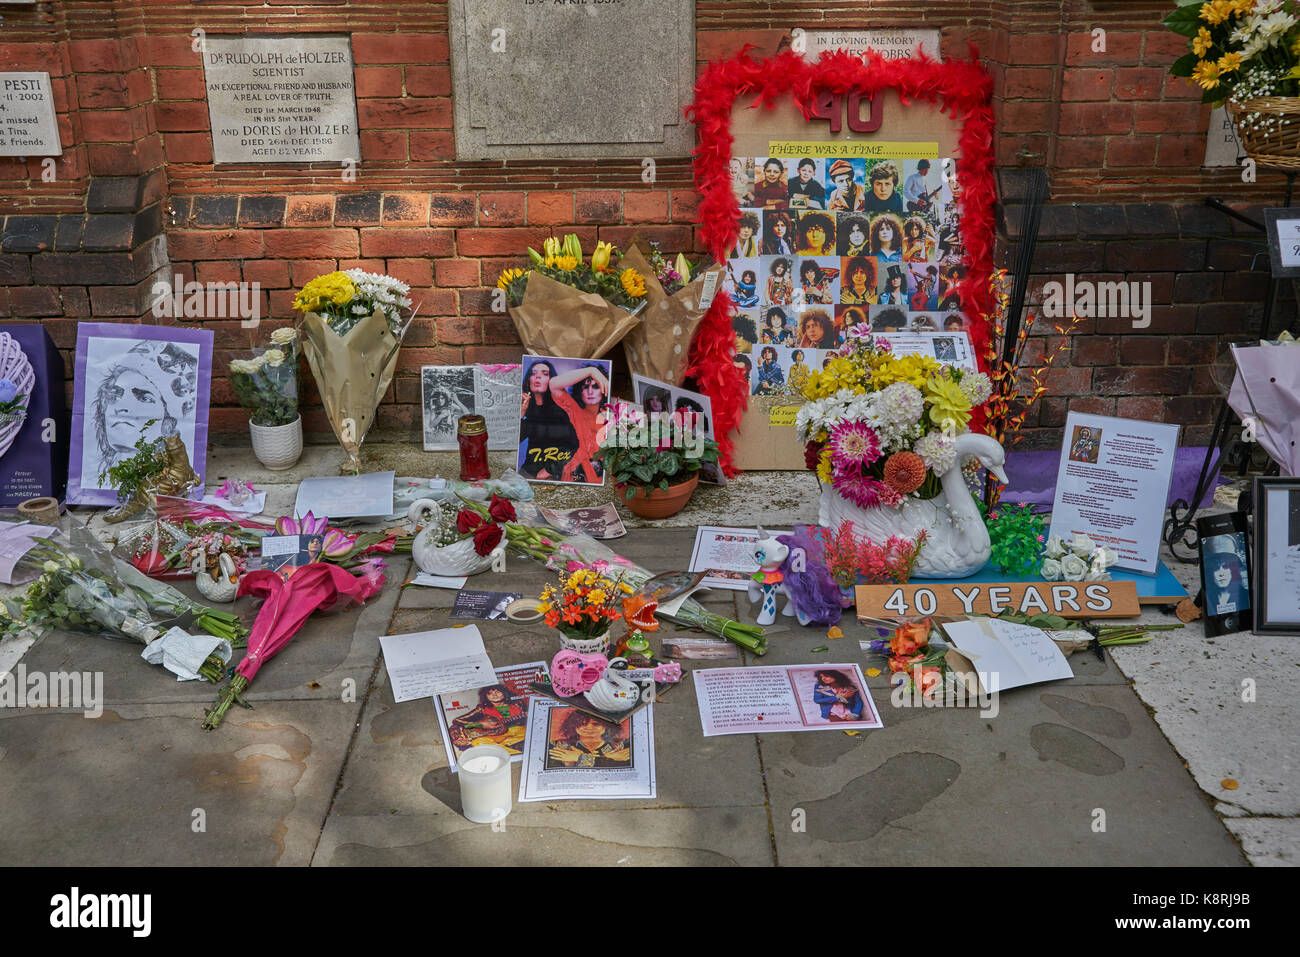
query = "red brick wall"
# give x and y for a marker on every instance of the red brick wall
(1121, 140)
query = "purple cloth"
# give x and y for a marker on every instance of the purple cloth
(1033, 476)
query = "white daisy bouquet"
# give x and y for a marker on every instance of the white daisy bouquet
(352, 326)
(879, 427)
(1240, 50)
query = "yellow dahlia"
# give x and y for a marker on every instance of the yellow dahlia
(949, 405)
(632, 282)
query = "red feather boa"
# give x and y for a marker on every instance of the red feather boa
(960, 88)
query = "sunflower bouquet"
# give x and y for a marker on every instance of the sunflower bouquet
(1241, 50)
(879, 427)
(351, 328)
(565, 306)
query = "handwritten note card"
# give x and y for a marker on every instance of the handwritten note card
(1007, 655)
(427, 663)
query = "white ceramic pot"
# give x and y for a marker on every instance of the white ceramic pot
(277, 447)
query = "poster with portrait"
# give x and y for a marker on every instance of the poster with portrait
(656, 397)
(448, 392)
(133, 382)
(784, 698)
(1225, 573)
(562, 418)
(571, 754)
(495, 714)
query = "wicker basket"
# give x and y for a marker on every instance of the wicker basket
(1276, 145)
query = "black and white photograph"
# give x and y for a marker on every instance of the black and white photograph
(447, 393)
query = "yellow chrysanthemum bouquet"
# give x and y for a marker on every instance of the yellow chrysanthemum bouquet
(564, 305)
(878, 427)
(1241, 50)
(352, 327)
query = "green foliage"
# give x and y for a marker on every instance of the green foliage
(1017, 537)
(137, 473)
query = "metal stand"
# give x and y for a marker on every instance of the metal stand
(1180, 526)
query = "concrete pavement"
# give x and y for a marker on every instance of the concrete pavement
(329, 770)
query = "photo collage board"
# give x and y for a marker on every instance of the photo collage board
(827, 242)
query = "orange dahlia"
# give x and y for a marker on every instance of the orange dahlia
(904, 472)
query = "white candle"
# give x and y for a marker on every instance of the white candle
(485, 783)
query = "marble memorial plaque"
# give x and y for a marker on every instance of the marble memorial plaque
(281, 99)
(28, 126)
(572, 78)
(892, 44)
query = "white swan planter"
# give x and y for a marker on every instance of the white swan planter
(957, 542)
(455, 560)
(220, 587)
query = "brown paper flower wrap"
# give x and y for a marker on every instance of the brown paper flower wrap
(660, 346)
(559, 320)
(352, 373)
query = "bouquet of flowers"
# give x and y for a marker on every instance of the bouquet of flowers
(352, 327)
(879, 427)
(1078, 560)
(909, 653)
(1246, 53)
(660, 347)
(585, 603)
(563, 306)
(267, 384)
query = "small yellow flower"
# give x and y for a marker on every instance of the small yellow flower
(509, 276)
(597, 596)
(567, 263)
(1229, 62)
(824, 467)
(1202, 42)
(632, 282)
(1206, 75)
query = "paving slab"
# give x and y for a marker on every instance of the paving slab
(125, 789)
(947, 786)
(1268, 842)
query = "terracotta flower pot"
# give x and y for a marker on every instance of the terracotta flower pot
(660, 503)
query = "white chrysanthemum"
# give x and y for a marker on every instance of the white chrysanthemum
(282, 337)
(902, 402)
(976, 387)
(937, 451)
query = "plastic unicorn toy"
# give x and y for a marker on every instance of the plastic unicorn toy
(786, 566)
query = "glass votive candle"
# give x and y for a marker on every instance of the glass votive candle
(485, 783)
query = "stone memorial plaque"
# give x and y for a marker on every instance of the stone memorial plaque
(892, 44)
(572, 78)
(28, 126)
(281, 99)
(1222, 147)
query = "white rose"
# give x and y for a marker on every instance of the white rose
(1055, 547)
(1105, 556)
(1051, 570)
(1073, 568)
(273, 357)
(282, 337)
(1096, 574)
(1081, 545)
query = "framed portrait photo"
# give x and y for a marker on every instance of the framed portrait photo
(133, 382)
(1277, 556)
(1225, 573)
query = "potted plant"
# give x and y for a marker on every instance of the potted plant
(655, 460)
(267, 386)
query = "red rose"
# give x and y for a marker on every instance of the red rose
(467, 520)
(501, 510)
(486, 538)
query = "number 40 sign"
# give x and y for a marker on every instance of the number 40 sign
(1112, 599)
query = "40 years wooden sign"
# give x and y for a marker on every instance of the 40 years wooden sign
(1112, 599)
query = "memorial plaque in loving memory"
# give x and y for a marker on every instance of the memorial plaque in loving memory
(281, 99)
(27, 123)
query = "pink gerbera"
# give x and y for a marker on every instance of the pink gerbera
(853, 443)
(862, 490)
